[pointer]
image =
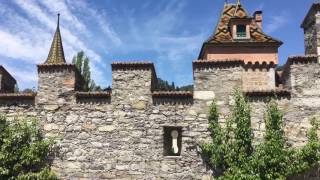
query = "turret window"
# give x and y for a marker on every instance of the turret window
(241, 31)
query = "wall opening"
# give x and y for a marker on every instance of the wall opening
(172, 139)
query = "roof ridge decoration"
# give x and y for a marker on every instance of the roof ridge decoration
(222, 32)
(238, 6)
(56, 53)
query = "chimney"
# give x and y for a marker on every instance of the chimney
(258, 18)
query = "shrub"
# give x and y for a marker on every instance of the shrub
(23, 152)
(231, 151)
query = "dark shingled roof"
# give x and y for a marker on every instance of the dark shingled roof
(6, 73)
(56, 54)
(223, 34)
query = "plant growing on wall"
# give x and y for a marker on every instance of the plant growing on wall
(23, 151)
(231, 151)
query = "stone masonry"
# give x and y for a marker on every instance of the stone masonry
(311, 27)
(121, 134)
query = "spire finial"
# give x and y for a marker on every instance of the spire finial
(237, 7)
(58, 24)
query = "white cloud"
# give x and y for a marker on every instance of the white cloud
(276, 22)
(60, 6)
(34, 10)
(23, 38)
(100, 18)
(155, 34)
(14, 46)
(26, 35)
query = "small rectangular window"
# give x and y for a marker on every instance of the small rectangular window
(241, 31)
(172, 138)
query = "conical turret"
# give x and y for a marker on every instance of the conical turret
(56, 54)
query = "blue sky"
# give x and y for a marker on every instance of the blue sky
(168, 32)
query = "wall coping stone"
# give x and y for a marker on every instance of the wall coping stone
(276, 92)
(93, 94)
(232, 62)
(172, 94)
(302, 59)
(17, 95)
(43, 67)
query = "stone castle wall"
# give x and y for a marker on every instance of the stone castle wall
(121, 135)
(309, 35)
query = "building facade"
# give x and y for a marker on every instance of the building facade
(135, 132)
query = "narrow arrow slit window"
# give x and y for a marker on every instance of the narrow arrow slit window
(172, 138)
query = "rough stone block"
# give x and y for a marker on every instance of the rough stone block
(203, 95)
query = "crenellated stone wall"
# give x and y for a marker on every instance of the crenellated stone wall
(120, 135)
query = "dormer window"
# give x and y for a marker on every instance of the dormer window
(241, 31)
(240, 28)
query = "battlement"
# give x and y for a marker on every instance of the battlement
(133, 110)
(130, 76)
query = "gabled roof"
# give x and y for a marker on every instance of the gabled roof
(223, 34)
(56, 54)
(4, 72)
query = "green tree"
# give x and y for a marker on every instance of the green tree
(186, 88)
(23, 152)
(215, 149)
(232, 153)
(82, 63)
(272, 157)
(231, 147)
(308, 156)
(164, 85)
(28, 90)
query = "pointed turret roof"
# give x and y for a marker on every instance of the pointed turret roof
(56, 54)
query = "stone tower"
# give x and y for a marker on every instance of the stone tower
(57, 79)
(238, 54)
(311, 27)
